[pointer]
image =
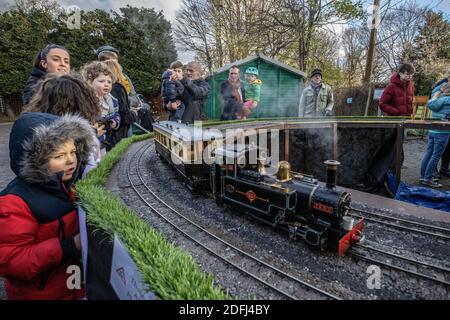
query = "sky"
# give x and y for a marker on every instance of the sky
(169, 8)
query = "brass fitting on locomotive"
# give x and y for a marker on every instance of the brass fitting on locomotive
(332, 166)
(284, 172)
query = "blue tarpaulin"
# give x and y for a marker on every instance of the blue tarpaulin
(422, 196)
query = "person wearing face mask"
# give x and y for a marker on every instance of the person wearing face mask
(397, 98)
(196, 91)
(317, 99)
(53, 59)
(39, 228)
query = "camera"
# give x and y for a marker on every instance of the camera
(106, 121)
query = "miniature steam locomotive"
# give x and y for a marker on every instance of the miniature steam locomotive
(296, 203)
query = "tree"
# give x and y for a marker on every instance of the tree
(148, 47)
(143, 37)
(22, 35)
(354, 50)
(305, 17)
(430, 52)
(222, 31)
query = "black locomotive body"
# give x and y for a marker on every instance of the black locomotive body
(297, 203)
(237, 175)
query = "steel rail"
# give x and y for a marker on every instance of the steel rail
(354, 252)
(397, 226)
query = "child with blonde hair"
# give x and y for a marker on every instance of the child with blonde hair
(99, 76)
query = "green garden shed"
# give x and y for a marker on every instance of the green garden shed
(281, 88)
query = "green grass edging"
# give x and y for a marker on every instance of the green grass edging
(168, 271)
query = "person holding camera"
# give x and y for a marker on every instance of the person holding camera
(99, 76)
(437, 139)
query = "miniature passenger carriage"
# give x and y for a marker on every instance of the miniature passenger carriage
(240, 176)
(187, 149)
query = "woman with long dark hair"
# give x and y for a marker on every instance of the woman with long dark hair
(52, 59)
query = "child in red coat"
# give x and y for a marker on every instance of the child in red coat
(39, 230)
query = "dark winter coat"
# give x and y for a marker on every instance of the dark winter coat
(397, 98)
(126, 116)
(196, 93)
(231, 106)
(38, 218)
(171, 90)
(31, 85)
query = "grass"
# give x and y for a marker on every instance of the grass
(168, 271)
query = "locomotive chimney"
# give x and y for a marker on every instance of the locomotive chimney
(332, 166)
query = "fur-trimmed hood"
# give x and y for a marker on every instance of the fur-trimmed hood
(35, 136)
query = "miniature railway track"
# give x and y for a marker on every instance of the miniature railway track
(403, 224)
(383, 258)
(251, 266)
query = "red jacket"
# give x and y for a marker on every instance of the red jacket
(38, 218)
(31, 253)
(397, 98)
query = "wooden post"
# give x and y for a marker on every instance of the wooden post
(373, 37)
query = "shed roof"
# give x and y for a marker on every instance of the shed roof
(265, 58)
